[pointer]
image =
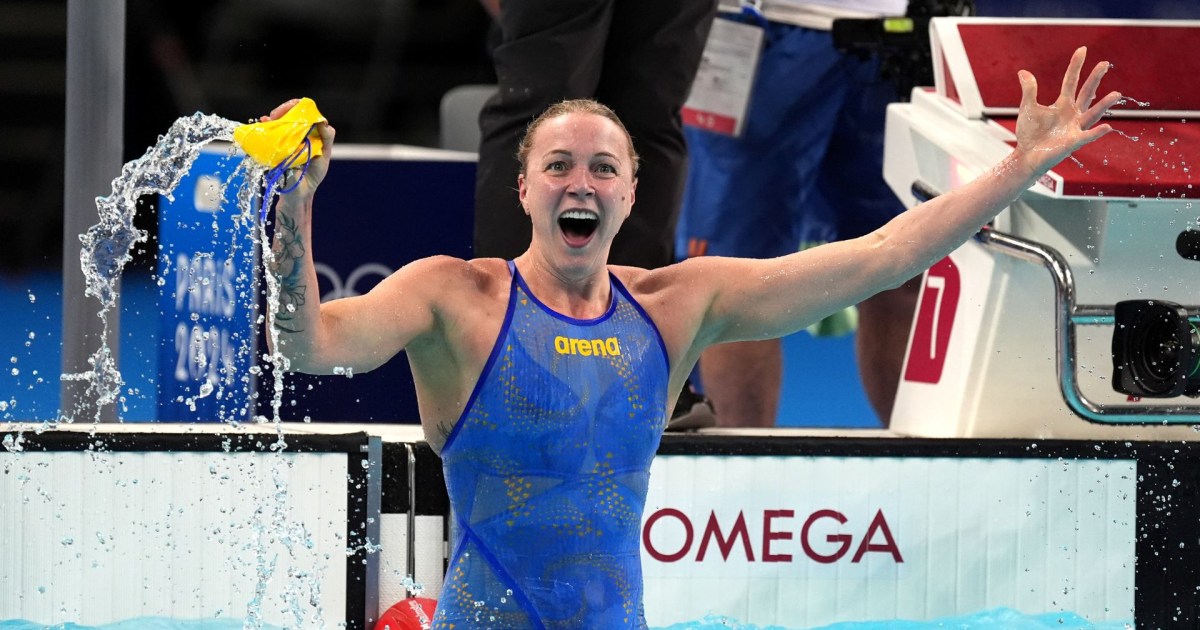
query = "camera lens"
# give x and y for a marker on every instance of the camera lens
(1156, 350)
(1187, 244)
(1159, 352)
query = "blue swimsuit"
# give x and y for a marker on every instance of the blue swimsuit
(547, 470)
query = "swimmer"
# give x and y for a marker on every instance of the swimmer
(545, 382)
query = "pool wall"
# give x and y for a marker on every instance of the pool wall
(787, 527)
(102, 527)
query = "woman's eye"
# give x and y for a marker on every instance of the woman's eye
(557, 166)
(607, 168)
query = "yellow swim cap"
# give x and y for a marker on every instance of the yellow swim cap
(272, 142)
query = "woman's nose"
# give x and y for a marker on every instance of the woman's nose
(581, 183)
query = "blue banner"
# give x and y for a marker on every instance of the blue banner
(379, 208)
(206, 273)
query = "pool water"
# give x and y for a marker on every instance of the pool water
(996, 619)
(143, 623)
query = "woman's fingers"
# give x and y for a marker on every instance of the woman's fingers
(1093, 134)
(1070, 84)
(327, 132)
(280, 110)
(1091, 86)
(1097, 111)
(1028, 88)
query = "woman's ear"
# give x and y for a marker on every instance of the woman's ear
(522, 192)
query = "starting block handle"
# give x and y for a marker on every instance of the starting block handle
(1066, 316)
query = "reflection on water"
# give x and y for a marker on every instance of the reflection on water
(144, 623)
(997, 619)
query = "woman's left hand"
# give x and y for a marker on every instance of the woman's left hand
(1047, 134)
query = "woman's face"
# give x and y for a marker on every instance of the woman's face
(578, 186)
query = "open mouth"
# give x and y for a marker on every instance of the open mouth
(578, 226)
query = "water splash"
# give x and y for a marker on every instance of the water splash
(107, 246)
(1126, 136)
(107, 249)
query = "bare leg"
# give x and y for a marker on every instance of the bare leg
(883, 325)
(743, 380)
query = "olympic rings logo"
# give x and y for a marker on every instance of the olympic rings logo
(350, 287)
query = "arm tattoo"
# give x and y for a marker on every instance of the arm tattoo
(289, 269)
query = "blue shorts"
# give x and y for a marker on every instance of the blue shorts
(808, 166)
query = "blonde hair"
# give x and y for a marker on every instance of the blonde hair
(573, 106)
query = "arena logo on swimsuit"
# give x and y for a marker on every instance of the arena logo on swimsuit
(587, 347)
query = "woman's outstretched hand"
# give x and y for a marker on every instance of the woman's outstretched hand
(1047, 134)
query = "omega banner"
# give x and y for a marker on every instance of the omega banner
(808, 541)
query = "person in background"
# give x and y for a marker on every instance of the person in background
(545, 382)
(637, 57)
(807, 168)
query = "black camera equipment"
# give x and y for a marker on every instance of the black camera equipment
(1155, 349)
(901, 43)
(1187, 244)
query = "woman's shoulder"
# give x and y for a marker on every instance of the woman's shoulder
(660, 279)
(440, 277)
(451, 269)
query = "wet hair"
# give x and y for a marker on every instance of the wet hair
(573, 106)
